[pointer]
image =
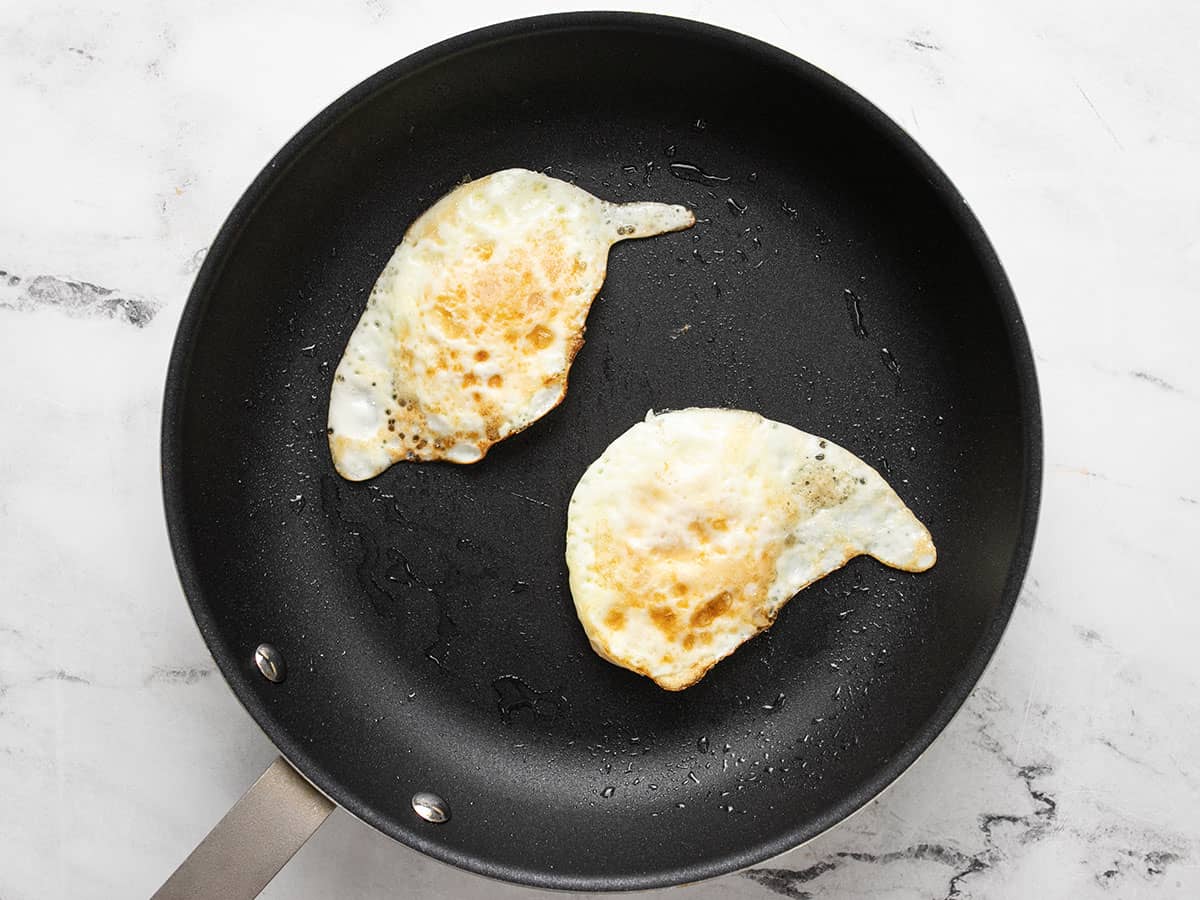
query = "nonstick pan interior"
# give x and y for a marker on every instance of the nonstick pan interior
(835, 281)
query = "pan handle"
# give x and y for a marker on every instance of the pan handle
(253, 841)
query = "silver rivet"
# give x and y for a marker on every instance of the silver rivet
(270, 663)
(430, 807)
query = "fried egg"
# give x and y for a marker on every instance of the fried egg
(694, 528)
(470, 330)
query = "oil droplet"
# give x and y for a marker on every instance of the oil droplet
(739, 209)
(702, 745)
(514, 694)
(447, 630)
(400, 572)
(688, 172)
(608, 792)
(669, 151)
(890, 362)
(297, 502)
(854, 305)
(699, 124)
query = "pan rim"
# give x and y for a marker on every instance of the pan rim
(236, 671)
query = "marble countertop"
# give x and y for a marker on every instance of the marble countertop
(1072, 129)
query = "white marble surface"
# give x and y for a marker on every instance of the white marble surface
(1072, 128)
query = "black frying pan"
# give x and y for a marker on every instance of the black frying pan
(836, 281)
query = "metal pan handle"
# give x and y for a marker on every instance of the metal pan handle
(253, 841)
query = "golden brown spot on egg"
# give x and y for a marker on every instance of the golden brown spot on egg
(541, 337)
(553, 267)
(529, 298)
(615, 619)
(679, 589)
(696, 527)
(664, 619)
(448, 320)
(711, 609)
(642, 576)
(689, 641)
(823, 489)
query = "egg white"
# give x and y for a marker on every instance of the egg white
(471, 328)
(693, 529)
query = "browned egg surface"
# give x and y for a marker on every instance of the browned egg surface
(694, 528)
(471, 328)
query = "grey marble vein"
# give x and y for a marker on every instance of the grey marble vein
(195, 261)
(1154, 380)
(63, 675)
(179, 674)
(78, 299)
(1103, 121)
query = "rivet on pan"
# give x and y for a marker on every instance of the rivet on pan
(270, 663)
(430, 807)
